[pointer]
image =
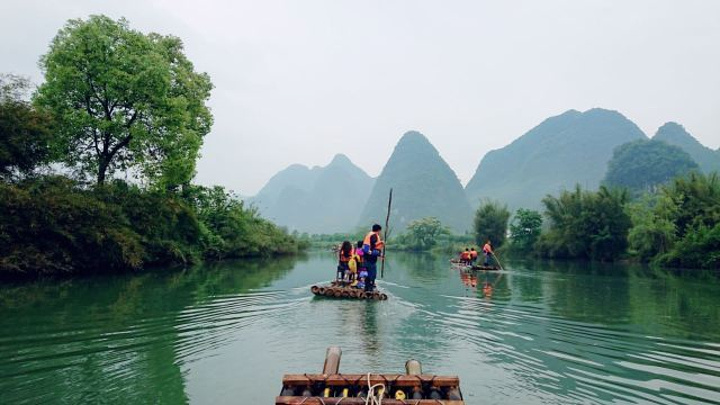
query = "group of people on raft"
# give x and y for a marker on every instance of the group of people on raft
(469, 256)
(357, 265)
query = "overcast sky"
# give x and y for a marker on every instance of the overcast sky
(299, 81)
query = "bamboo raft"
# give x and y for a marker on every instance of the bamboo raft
(481, 267)
(331, 387)
(341, 289)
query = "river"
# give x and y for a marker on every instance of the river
(225, 333)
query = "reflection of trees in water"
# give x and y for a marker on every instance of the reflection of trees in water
(587, 291)
(123, 336)
(674, 302)
(421, 266)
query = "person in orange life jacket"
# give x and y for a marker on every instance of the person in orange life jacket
(372, 246)
(344, 256)
(473, 255)
(487, 249)
(465, 256)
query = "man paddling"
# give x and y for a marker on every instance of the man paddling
(372, 247)
(487, 249)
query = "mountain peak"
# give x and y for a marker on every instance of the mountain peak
(424, 184)
(413, 138)
(675, 134)
(340, 160)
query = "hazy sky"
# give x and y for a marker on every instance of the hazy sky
(299, 81)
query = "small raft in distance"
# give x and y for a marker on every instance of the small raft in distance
(331, 387)
(341, 289)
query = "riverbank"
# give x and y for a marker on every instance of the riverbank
(56, 226)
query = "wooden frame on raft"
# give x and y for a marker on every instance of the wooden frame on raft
(331, 387)
(341, 290)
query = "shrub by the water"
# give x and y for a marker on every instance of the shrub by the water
(586, 225)
(55, 226)
(680, 226)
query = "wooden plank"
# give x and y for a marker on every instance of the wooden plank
(400, 380)
(360, 401)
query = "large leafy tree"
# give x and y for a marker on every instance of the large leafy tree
(25, 132)
(491, 222)
(641, 165)
(422, 234)
(124, 100)
(525, 229)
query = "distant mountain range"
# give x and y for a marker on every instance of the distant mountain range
(562, 151)
(318, 200)
(569, 149)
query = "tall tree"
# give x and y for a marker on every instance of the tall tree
(525, 229)
(25, 132)
(422, 234)
(125, 100)
(491, 222)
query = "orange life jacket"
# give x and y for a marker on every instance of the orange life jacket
(465, 256)
(378, 245)
(344, 258)
(473, 254)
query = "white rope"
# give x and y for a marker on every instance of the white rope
(371, 399)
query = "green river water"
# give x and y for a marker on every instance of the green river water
(567, 333)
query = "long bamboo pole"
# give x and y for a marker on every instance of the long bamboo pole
(387, 221)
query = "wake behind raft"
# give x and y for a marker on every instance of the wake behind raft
(342, 289)
(332, 388)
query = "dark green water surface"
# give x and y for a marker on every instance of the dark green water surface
(226, 333)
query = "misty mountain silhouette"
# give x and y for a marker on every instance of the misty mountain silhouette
(568, 149)
(318, 200)
(674, 134)
(424, 185)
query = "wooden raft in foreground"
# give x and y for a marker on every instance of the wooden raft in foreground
(331, 388)
(340, 289)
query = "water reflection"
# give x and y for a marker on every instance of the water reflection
(536, 332)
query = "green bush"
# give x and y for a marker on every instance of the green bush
(586, 225)
(54, 226)
(49, 226)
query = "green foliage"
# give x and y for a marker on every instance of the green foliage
(642, 165)
(124, 100)
(53, 226)
(49, 226)
(525, 230)
(653, 231)
(680, 227)
(422, 234)
(586, 225)
(24, 131)
(231, 230)
(491, 222)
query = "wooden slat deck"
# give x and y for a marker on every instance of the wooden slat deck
(397, 380)
(360, 401)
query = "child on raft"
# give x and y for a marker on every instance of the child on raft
(344, 256)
